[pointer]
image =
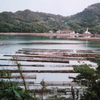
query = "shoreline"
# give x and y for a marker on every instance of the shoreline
(65, 36)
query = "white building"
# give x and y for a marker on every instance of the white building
(58, 31)
(87, 33)
(50, 31)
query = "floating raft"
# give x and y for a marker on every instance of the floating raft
(54, 50)
(58, 53)
(82, 55)
(43, 71)
(43, 65)
(41, 60)
(43, 51)
(49, 56)
(23, 65)
(54, 58)
(51, 83)
(54, 43)
(84, 51)
(49, 50)
(55, 83)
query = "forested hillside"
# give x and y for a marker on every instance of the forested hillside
(89, 18)
(29, 21)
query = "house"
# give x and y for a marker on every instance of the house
(50, 31)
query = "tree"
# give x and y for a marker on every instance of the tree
(43, 84)
(89, 78)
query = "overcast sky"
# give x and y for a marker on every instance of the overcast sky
(62, 7)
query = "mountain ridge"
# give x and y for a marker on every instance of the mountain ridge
(88, 18)
(35, 22)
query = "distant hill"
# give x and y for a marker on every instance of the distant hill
(89, 18)
(29, 21)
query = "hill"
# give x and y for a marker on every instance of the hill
(29, 21)
(89, 18)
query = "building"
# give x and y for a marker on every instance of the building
(50, 31)
(87, 33)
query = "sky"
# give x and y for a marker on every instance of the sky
(58, 7)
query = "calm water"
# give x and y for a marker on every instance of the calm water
(15, 43)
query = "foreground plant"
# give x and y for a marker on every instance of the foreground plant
(89, 78)
(11, 91)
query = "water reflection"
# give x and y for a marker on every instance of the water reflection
(16, 43)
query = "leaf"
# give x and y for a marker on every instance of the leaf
(17, 94)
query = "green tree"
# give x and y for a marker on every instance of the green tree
(89, 78)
